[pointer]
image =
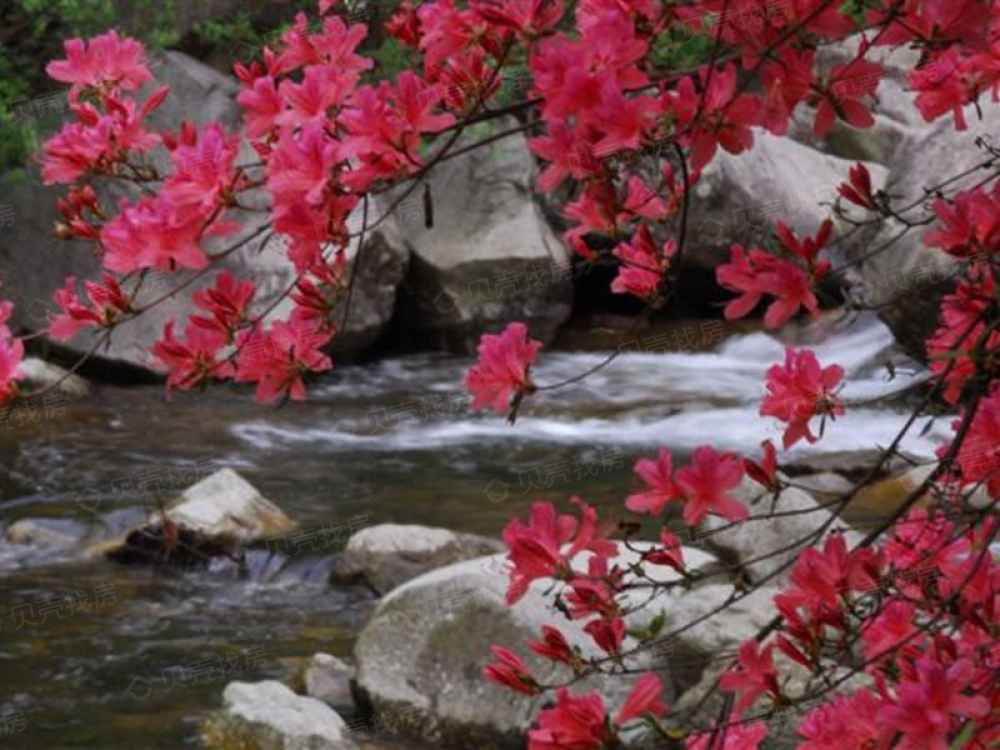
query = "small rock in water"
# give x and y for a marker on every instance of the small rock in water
(328, 679)
(388, 555)
(46, 532)
(269, 716)
(39, 374)
(211, 519)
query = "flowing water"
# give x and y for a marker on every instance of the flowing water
(99, 655)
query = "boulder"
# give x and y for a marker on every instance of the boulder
(426, 645)
(489, 257)
(41, 375)
(386, 556)
(328, 679)
(777, 532)
(892, 268)
(897, 119)
(34, 263)
(739, 199)
(217, 515)
(50, 533)
(269, 716)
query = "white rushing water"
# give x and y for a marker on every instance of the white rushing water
(681, 400)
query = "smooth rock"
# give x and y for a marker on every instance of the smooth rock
(426, 645)
(225, 504)
(490, 257)
(269, 716)
(386, 556)
(46, 532)
(740, 198)
(328, 679)
(772, 538)
(39, 374)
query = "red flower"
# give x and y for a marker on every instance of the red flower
(979, 456)
(607, 634)
(766, 472)
(846, 721)
(893, 625)
(670, 552)
(762, 274)
(104, 62)
(704, 484)
(808, 249)
(536, 549)
(787, 82)
(970, 226)
(736, 736)
(278, 360)
(227, 302)
(11, 356)
(107, 304)
(553, 646)
(661, 489)
(641, 272)
(800, 390)
(822, 577)
(754, 677)
(843, 93)
(529, 18)
(644, 699)
(511, 672)
(858, 188)
(931, 702)
(503, 369)
(153, 233)
(719, 118)
(191, 363)
(574, 723)
(262, 104)
(204, 168)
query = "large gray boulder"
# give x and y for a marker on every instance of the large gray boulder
(269, 716)
(740, 199)
(386, 556)
(778, 532)
(34, 263)
(489, 258)
(425, 647)
(891, 267)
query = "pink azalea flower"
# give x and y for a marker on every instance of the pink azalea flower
(765, 473)
(758, 274)
(107, 303)
(11, 356)
(511, 672)
(754, 677)
(800, 390)
(642, 268)
(105, 61)
(742, 736)
(705, 482)
(574, 723)
(892, 626)
(553, 646)
(278, 360)
(661, 489)
(932, 702)
(607, 634)
(262, 104)
(153, 233)
(536, 549)
(227, 302)
(191, 363)
(670, 552)
(503, 369)
(204, 167)
(846, 721)
(644, 699)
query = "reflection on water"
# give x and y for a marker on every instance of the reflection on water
(390, 442)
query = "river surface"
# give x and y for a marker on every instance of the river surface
(98, 655)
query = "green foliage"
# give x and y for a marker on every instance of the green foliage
(32, 32)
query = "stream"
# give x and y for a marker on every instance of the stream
(100, 655)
